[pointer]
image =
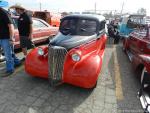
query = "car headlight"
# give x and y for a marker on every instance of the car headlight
(40, 51)
(76, 57)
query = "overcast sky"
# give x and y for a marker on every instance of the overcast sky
(82, 5)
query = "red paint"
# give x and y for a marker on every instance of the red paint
(83, 73)
(37, 65)
(139, 44)
(52, 18)
(39, 34)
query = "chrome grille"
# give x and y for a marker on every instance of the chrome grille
(56, 57)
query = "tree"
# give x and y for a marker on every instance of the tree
(142, 11)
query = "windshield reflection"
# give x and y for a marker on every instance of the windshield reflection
(82, 27)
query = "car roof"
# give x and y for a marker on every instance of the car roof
(86, 16)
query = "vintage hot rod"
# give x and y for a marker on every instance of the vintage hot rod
(137, 46)
(74, 55)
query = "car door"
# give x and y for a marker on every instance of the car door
(41, 30)
(133, 42)
(36, 30)
(46, 29)
(143, 43)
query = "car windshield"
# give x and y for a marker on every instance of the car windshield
(82, 27)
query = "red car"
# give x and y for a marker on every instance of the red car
(74, 55)
(42, 31)
(137, 47)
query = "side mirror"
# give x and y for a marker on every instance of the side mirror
(101, 32)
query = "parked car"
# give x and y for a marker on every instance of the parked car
(129, 23)
(137, 47)
(74, 55)
(41, 32)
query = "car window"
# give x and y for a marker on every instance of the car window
(38, 24)
(87, 27)
(83, 27)
(68, 26)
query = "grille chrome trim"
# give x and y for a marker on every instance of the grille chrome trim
(56, 58)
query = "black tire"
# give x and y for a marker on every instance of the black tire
(95, 85)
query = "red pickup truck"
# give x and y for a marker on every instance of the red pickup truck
(137, 47)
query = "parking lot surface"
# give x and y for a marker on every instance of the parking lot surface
(116, 91)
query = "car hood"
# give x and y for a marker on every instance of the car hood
(70, 41)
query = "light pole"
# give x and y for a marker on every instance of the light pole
(95, 7)
(122, 8)
(40, 6)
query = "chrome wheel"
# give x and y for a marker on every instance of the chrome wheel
(144, 71)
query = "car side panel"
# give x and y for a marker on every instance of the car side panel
(145, 62)
(133, 46)
(144, 46)
(39, 34)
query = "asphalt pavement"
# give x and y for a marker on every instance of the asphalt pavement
(116, 91)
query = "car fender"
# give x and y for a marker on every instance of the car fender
(83, 73)
(146, 61)
(36, 65)
(125, 43)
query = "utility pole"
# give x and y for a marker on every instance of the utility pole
(95, 7)
(40, 6)
(122, 8)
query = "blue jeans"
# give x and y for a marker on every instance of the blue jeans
(11, 59)
(16, 60)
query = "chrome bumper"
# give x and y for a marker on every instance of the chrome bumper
(145, 101)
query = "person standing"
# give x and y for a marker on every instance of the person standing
(6, 39)
(25, 29)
